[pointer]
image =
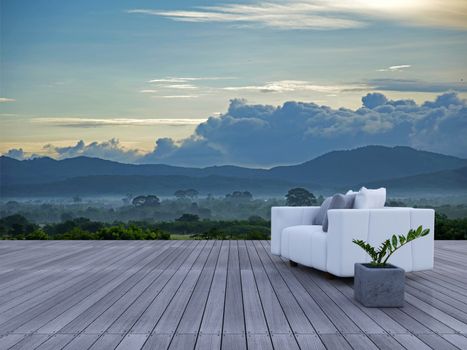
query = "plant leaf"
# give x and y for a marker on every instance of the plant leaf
(394, 241)
(401, 239)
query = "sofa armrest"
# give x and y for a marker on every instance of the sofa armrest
(282, 217)
(375, 226)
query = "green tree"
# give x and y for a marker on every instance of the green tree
(146, 201)
(191, 193)
(16, 225)
(299, 197)
(239, 195)
(188, 218)
(38, 235)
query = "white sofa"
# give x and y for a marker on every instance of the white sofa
(295, 238)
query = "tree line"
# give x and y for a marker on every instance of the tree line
(188, 226)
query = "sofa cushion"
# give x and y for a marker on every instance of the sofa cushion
(370, 199)
(319, 218)
(307, 245)
(338, 201)
(350, 199)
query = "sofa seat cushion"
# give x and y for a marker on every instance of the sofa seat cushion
(306, 245)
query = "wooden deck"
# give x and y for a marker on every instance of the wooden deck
(211, 295)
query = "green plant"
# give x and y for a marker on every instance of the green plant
(380, 256)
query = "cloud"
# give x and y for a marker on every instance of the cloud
(398, 68)
(165, 87)
(262, 135)
(90, 123)
(16, 153)
(148, 91)
(324, 14)
(186, 79)
(111, 150)
(177, 96)
(296, 85)
(181, 86)
(280, 16)
(291, 86)
(6, 99)
(415, 85)
(374, 100)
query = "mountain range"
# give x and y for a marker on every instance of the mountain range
(400, 169)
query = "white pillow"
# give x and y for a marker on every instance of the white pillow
(370, 199)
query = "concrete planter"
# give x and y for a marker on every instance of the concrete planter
(379, 286)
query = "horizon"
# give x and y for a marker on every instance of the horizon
(151, 82)
(34, 157)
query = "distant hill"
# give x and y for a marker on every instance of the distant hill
(370, 165)
(136, 184)
(441, 181)
(45, 169)
(367, 164)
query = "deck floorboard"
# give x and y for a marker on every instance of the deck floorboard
(213, 295)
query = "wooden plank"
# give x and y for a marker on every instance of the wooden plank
(428, 321)
(360, 341)
(444, 280)
(214, 311)
(321, 323)
(56, 341)
(410, 341)
(109, 292)
(30, 342)
(255, 320)
(57, 305)
(295, 315)
(275, 317)
(28, 276)
(151, 315)
(132, 342)
(172, 315)
(354, 312)
(386, 322)
(208, 341)
(9, 340)
(162, 342)
(193, 315)
(22, 313)
(438, 285)
(411, 324)
(133, 312)
(231, 341)
(259, 342)
(438, 314)
(458, 340)
(309, 342)
(453, 299)
(335, 341)
(82, 342)
(124, 280)
(107, 341)
(37, 297)
(338, 317)
(284, 341)
(385, 342)
(234, 319)
(103, 312)
(434, 341)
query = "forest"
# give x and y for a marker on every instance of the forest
(237, 215)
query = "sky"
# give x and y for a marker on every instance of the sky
(255, 83)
